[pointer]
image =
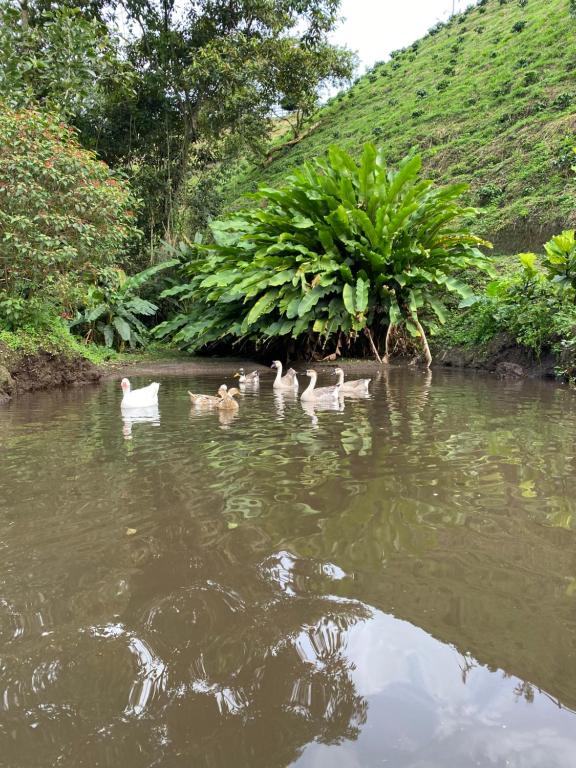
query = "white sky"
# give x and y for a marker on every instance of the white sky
(374, 28)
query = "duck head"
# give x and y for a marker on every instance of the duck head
(125, 384)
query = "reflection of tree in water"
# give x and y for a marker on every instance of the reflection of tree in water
(274, 666)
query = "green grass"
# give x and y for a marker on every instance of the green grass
(57, 339)
(483, 103)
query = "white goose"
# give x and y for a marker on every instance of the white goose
(139, 398)
(288, 381)
(312, 394)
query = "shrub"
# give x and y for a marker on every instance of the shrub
(344, 247)
(61, 210)
(519, 26)
(560, 261)
(114, 309)
(562, 101)
(442, 85)
(489, 193)
(530, 78)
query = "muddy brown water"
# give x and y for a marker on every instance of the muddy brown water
(390, 584)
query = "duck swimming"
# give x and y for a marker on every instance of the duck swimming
(139, 398)
(227, 402)
(247, 378)
(355, 387)
(208, 401)
(312, 394)
(288, 381)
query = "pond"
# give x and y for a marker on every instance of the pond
(391, 583)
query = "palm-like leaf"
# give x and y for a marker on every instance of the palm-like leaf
(342, 245)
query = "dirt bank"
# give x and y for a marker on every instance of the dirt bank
(43, 370)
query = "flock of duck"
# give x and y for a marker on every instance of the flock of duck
(224, 399)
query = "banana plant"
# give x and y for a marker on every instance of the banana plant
(114, 310)
(344, 247)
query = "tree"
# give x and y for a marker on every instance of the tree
(345, 247)
(209, 73)
(61, 209)
(55, 58)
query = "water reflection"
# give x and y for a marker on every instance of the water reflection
(145, 415)
(284, 399)
(312, 409)
(394, 586)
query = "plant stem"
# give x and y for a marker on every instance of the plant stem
(374, 348)
(427, 353)
(388, 344)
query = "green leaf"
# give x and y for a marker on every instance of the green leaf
(108, 333)
(361, 300)
(261, 307)
(94, 314)
(348, 299)
(122, 327)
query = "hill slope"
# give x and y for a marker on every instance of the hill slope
(489, 98)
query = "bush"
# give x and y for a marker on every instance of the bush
(344, 247)
(530, 78)
(519, 26)
(61, 210)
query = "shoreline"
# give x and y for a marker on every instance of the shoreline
(45, 370)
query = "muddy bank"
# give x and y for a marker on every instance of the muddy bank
(501, 356)
(226, 366)
(43, 370)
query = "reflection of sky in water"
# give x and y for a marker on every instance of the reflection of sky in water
(422, 715)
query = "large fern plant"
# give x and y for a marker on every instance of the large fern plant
(343, 247)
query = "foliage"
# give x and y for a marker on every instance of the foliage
(61, 210)
(58, 59)
(343, 247)
(560, 261)
(527, 304)
(208, 72)
(506, 142)
(114, 309)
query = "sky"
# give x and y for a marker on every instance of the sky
(374, 28)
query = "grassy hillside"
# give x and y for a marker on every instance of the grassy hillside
(489, 98)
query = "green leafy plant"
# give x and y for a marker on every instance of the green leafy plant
(560, 260)
(344, 247)
(114, 309)
(61, 209)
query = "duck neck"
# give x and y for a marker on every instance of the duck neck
(312, 384)
(340, 379)
(278, 373)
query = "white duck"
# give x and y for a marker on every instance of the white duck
(322, 393)
(288, 381)
(139, 398)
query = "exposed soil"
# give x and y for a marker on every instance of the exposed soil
(44, 370)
